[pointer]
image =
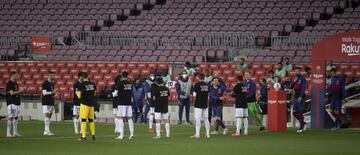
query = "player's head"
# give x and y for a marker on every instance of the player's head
(79, 75)
(184, 74)
(137, 81)
(13, 75)
(51, 75)
(333, 72)
(215, 82)
(247, 75)
(124, 74)
(117, 78)
(271, 73)
(308, 70)
(206, 72)
(287, 60)
(297, 70)
(160, 81)
(201, 76)
(240, 78)
(263, 81)
(85, 76)
(280, 65)
(152, 76)
(242, 61)
(286, 78)
(187, 64)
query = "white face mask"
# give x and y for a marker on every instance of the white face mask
(184, 76)
(152, 78)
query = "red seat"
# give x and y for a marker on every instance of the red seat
(231, 79)
(32, 89)
(30, 65)
(43, 70)
(37, 77)
(50, 65)
(4, 70)
(64, 71)
(26, 76)
(11, 65)
(73, 71)
(60, 65)
(227, 72)
(213, 66)
(55, 70)
(255, 66)
(97, 77)
(203, 67)
(131, 66)
(23, 70)
(344, 67)
(67, 77)
(70, 65)
(163, 66)
(70, 83)
(80, 66)
(20, 65)
(141, 66)
(110, 66)
(121, 66)
(100, 65)
(238, 72)
(60, 83)
(63, 89)
(267, 66)
(145, 72)
(108, 77)
(67, 96)
(33, 70)
(101, 85)
(39, 82)
(40, 65)
(110, 84)
(90, 65)
(224, 66)
(152, 66)
(104, 71)
(94, 71)
(259, 72)
(29, 82)
(349, 73)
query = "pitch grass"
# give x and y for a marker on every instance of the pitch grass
(312, 142)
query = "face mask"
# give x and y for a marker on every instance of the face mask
(184, 76)
(152, 78)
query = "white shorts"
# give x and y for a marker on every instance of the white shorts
(124, 111)
(48, 108)
(241, 112)
(200, 113)
(13, 111)
(162, 116)
(115, 110)
(76, 110)
(152, 110)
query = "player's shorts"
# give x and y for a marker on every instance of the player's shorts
(162, 116)
(13, 111)
(87, 112)
(124, 111)
(200, 113)
(241, 112)
(299, 107)
(217, 111)
(76, 110)
(335, 104)
(115, 111)
(48, 108)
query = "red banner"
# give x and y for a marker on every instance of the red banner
(41, 44)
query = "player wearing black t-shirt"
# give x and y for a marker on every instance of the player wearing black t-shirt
(13, 104)
(76, 104)
(160, 95)
(123, 91)
(115, 101)
(201, 91)
(241, 107)
(48, 93)
(87, 95)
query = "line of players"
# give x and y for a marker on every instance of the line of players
(157, 94)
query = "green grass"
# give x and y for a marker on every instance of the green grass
(65, 142)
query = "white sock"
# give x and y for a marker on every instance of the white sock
(246, 125)
(121, 127)
(116, 122)
(207, 126)
(47, 124)
(167, 129)
(151, 119)
(76, 125)
(158, 129)
(238, 124)
(15, 122)
(131, 126)
(9, 125)
(197, 127)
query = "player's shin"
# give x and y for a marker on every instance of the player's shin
(167, 129)
(157, 129)
(151, 120)
(76, 125)
(207, 126)
(131, 126)
(83, 128)
(197, 126)
(15, 123)
(92, 126)
(246, 126)
(9, 126)
(238, 124)
(47, 124)
(121, 127)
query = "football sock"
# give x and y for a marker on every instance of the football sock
(157, 129)
(15, 122)
(92, 126)
(167, 128)
(83, 128)
(151, 119)
(121, 127)
(207, 126)
(131, 127)
(9, 124)
(197, 127)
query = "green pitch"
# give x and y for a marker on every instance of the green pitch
(66, 143)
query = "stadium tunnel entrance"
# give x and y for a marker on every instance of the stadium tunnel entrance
(344, 47)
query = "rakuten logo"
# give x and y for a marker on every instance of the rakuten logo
(350, 50)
